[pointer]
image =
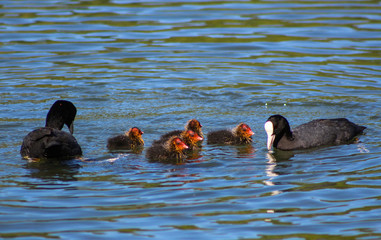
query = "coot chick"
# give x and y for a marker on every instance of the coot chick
(319, 132)
(132, 139)
(189, 137)
(192, 124)
(50, 142)
(241, 134)
(169, 152)
(195, 126)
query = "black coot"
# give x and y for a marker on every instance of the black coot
(320, 132)
(50, 141)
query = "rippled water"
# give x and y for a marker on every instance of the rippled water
(157, 64)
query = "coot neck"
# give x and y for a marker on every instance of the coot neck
(54, 121)
(285, 133)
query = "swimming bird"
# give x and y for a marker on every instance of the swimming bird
(129, 140)
(169, 152)
(195, 126)
(189, 137)
(50, 141)
(241, 134)
(319, 132)
(192, 124)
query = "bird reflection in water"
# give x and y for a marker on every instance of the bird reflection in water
(54, 170)
(272, 168)
(246, 151)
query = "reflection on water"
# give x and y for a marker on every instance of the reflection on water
(271, 165)
(246, 151)
(60, 171)
(157, 64)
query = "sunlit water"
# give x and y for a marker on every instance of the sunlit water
(157, 64)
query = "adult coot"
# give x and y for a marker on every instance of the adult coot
(241, 134)
(50, 141)
(131, 139)
(319, 132)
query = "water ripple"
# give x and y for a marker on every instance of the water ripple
(157, 64)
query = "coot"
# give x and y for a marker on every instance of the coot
(192, 124)
(241, 134)
(169, 152)
(50, 141)
(189, 137)
(195, 126)
(320, 132)
(132, 139)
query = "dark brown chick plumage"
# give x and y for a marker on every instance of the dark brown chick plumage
(241, 134)
(171, 151)
(132, 139)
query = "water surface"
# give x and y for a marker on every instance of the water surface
(157, 64)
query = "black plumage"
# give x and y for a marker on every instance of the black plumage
(50, 141)
(316, 133)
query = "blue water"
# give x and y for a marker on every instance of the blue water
(157, 64)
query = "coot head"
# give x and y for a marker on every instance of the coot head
(243, 131)
(135, 133)
(195, 126)
(62, 112)
(276, 126)
(176, 145)
(192, 137)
